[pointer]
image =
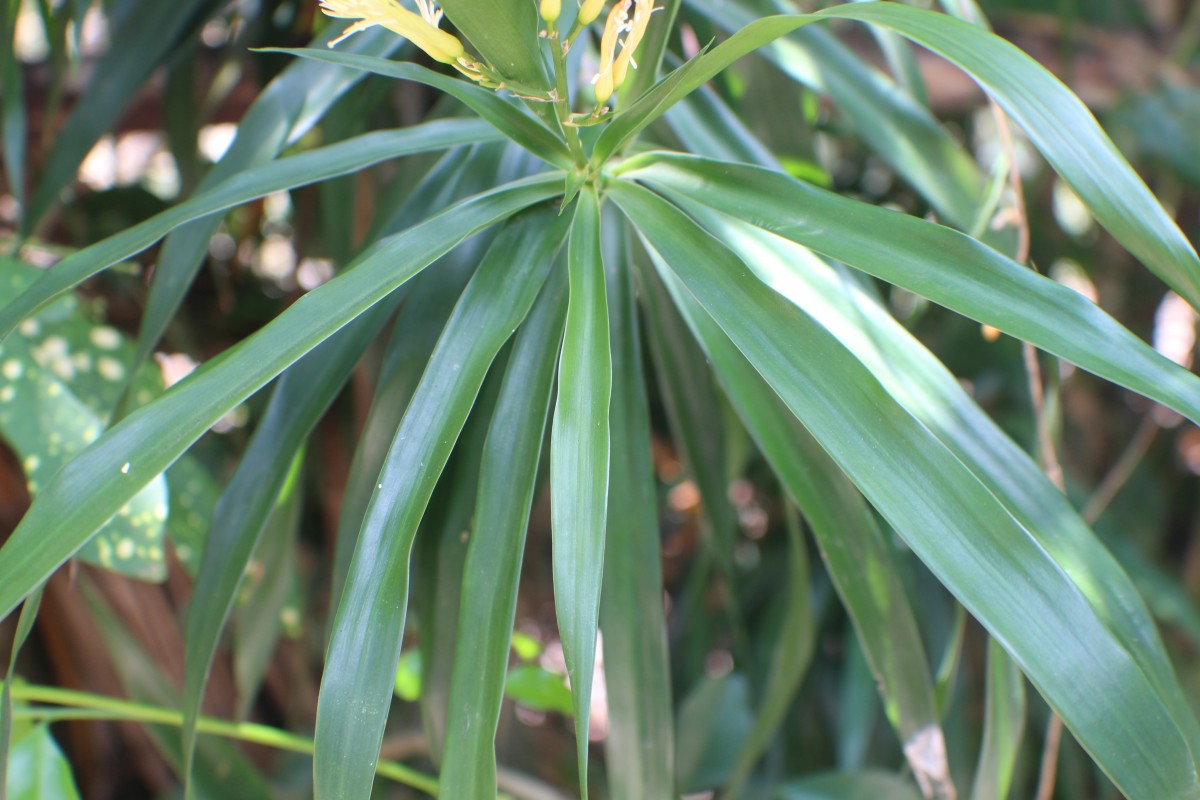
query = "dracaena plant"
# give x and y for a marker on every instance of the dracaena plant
(743, 283)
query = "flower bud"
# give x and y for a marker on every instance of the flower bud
(550, 9)
(589, 11)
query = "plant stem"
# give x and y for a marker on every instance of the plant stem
(85, 705)
(562, 105)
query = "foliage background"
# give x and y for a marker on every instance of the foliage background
(163, 84)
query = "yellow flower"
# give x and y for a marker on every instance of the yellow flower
(637, 29)
(613, 66)
(617, 23)
(420, 29)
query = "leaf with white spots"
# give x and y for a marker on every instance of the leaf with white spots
(56, 386)
(193, 496)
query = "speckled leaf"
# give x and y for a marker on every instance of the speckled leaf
(61, 374)
(193, 494)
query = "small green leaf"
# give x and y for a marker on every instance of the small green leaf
(525, 646)
(534, 687)
(407, 685)
(38, 770)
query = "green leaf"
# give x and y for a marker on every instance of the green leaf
(864, 785)
(941, 264)
(145, 35)
(640, 745)
(886, 118)
(270, 585)
(429, 301)
(439, 561)
(1003, 726)
(714, 721)
(856, 554)
(8, 730)
(505, 116)
(579, 463)
(793, 650)
(13, 118)
(534, 687)
(507, 481)
(690, 399)
(408, 683)
(94, 486)
(38, 770)
(691, 76)
(365, 645)
(1061, 127)
(61, 375)
(953, 522)
(505, 32)
(320, 164)
(301, 398)
(286, 109)
(932, 395)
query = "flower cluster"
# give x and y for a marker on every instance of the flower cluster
(624, 30)
(614, 66)
(420, 29)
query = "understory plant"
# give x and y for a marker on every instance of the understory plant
(589, 224)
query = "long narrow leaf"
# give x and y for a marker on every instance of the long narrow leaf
(439, 561)
(944, 265)
(287, 108)
(927, 390)
(94, 486)
(853, 547)
(303, 394)
(429, 302)
(505, 32)
(506, 117)
(1061, 127)
(323, 163)
(689, 77)
(579, 464)
(886, 118)
(1003, 726)
(13, 119)
(365, 646)
(948, 517)
(144, 38)
(641, 740)
(691, 401)
(792, 653)
(507, 482)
